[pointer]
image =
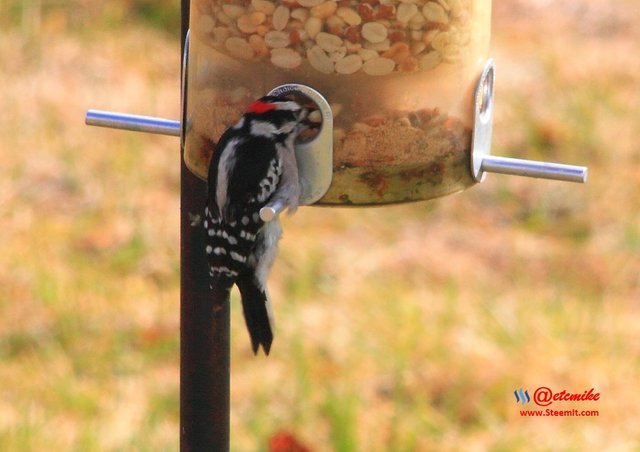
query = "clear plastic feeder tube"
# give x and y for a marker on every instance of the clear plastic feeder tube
(399, 76)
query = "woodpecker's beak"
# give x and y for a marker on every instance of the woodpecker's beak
(308, 129)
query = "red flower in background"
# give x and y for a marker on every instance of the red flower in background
(286, 442)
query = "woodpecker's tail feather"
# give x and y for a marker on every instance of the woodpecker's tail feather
(255, 306)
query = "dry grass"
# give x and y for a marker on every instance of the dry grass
(400, 328)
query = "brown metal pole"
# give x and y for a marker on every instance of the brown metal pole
(204, 326)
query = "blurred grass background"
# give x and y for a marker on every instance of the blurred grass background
(400, 328)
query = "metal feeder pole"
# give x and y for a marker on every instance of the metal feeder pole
(204, 314)
(204, 324)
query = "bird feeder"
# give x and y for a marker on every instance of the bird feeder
(404, 91)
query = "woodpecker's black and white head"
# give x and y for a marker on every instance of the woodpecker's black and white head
(273, 117)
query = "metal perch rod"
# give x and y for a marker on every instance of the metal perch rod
(134, 123)
(531, 168)
(490, 164)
